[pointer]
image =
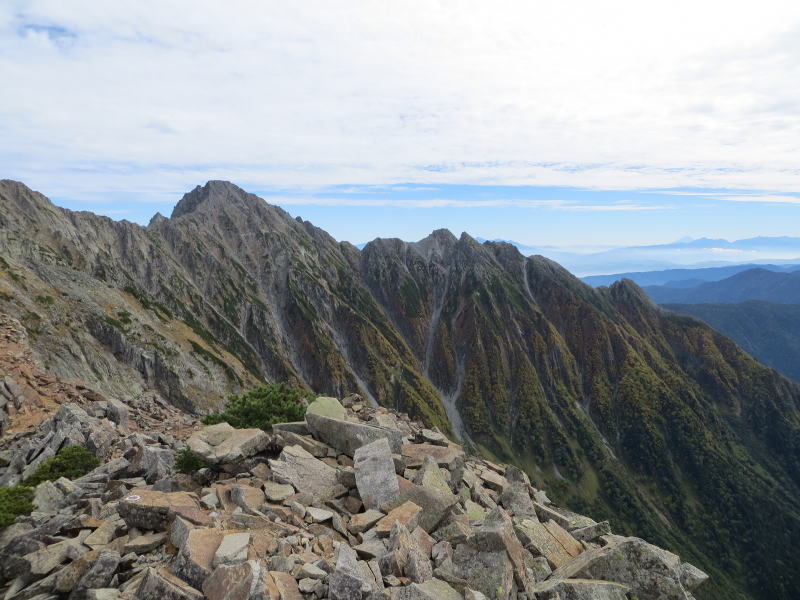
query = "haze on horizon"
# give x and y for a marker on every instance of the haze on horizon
(569, 124)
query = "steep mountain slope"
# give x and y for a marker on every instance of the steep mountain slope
(753, 284)
(625, 410)
(768, 331)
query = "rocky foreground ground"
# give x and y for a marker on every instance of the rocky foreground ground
(355, 502)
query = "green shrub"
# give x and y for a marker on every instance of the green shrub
(70, 462)
(262, 407)
(188, 462)
(14, 501)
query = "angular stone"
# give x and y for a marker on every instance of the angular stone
(149, 510)
(117, 412)
(537, 538)
(591, 532)
(318, 515)
(485, 570)
(563, 537)
(581, 589)
(346, 580)
(407, 514)
(48, 497)
(248, 498)
(434, 437)
(435, 503)
(152, 462)
(430, 476)
(311, 571)
(286, 585)
(277, 492)
(363, 521)
(194, 561)
(622, 561)
(314, 447)
(566, 519)
(515, 498)
(306, 473)
(475, 511)
(443, 455)
(494, 480)
(221, 443)
(433, 589)
(145, 543)
(347, 437)
(374, 473)
(159, 584)
(232, 550)
(691, 576)
(232, 582)
(99, 574)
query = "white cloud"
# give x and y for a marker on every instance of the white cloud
(154, 96)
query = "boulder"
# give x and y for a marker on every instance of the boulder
(194, 561)
(117, 412)
(363, 521)
(221, 443)
(374, 473)
(149, 510)
(430, 476)
(99, 574)
(581, 589)
(307, 474)
(650, 572)
(326, 406)
(433, 589)
(346, 580)
(232, 582)
(435, 503)
(539, 539)
(346, 437)
(445, 456)
(407, 514)
(143, 544)
(232, 550)
(152, 462)
(159, 584)
(277, 492)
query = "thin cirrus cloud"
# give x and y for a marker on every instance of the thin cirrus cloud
(355, 201)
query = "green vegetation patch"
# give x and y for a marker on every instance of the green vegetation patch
(263, 406)
(188, 462)
(45, 300)
(14, 501)
(70, 462)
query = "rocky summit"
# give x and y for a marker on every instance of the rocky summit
(364, 504)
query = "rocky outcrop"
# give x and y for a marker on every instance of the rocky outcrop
(376, 526)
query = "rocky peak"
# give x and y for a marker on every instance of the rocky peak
(216, 194)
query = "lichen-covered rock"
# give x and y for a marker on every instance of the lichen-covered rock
(307, 474)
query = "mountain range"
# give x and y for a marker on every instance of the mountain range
(752, 284)
(622, 409)
(683, 278)
(686, 253)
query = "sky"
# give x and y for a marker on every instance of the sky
(570, 123)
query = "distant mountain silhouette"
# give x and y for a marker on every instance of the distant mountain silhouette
(753, 284)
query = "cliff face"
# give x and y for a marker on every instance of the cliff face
(623, 410)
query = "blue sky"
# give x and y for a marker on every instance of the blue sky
(573, 123)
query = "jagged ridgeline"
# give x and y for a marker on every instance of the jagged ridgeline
(622, 410)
